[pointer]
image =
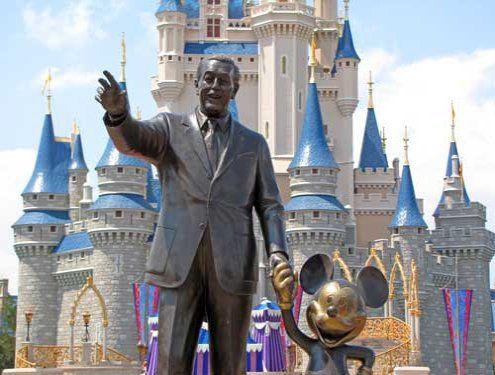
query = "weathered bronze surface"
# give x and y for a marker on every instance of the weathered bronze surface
(336, 315)
(203, 254)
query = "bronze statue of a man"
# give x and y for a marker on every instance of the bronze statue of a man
(213, 171)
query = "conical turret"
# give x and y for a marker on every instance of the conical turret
(407, 213)
(372, 150)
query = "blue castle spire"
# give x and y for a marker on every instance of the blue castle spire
(313, 150)
(345, 47)
(448, 171)
(372, 154)
(77, 158)
(407, 212)
(50, 174)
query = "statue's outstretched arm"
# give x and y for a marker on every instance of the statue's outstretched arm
(143, 139)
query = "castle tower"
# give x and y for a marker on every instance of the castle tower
(120, 223)
(38, 232)
(327, 32)
(374, 183)
(168, 84)
(283, 31)
(119, 173)
(460, 234)
(316, 219)
(347, 63)
(408, 228)
(78, 172)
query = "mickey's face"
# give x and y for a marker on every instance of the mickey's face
(337, 313)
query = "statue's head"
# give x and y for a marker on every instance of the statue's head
(217, 81)
(337, 313)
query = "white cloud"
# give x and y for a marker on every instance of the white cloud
(418, 94)
(68, 77)
(70, 25)
(15, 169)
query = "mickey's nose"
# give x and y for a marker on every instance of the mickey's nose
(332, 311)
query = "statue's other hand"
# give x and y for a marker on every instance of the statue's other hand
(284, 284)
(111, 96)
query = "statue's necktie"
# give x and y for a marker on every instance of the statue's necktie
(211, 144)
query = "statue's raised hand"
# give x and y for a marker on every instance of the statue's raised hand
(111, 96)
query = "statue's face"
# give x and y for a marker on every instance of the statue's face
(215, 88)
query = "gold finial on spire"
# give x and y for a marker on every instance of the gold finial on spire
(123, 60)
(384, 139)
(138, 113)
(406, 147)
(453, 121)
(346, 7)
(47, 91)
(370, 91)
(312, 59)
(75, 128)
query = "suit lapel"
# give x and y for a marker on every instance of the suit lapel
(197, 141)
(229, 153)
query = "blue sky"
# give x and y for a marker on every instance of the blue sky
(423, 54)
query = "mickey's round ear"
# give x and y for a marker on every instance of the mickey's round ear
(316, 271)
(373, 286)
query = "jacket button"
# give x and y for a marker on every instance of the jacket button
(202, 225)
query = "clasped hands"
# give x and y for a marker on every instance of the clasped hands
(283, 280)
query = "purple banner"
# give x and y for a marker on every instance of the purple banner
(458, 310)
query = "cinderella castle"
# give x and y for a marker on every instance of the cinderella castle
(359, 212)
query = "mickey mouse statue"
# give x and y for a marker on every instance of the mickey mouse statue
(336, 314)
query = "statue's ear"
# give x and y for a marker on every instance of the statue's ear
(373, 286)
(315, 272)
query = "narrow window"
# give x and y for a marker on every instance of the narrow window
(316, 214)
(103, 171)
(347, 63)
(251, 59)
(120, 170)
(58, 258)
(170, 58)
(35, 197)
(350, 251)
(298, 172)
(70, 256)
(239, 59)
(83, 255)
(51, 197)
(299, 100)
(138, 171)
(267, 129)
(143, 215)
(118, 213)
(53, 228)
(420, 230)
(314, 171)
(30, 229)
(213, 27)
(189, 59)
(396, 230)
(292, 215)
(74, 178)
(95, 215)
(283, 64)
(338, 215)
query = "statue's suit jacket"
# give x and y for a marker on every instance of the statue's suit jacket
(195, 199)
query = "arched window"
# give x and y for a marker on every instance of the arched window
(283, 64)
